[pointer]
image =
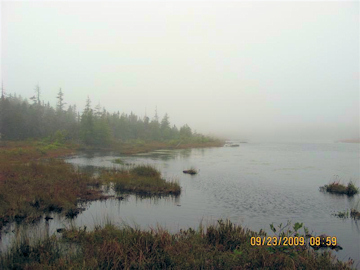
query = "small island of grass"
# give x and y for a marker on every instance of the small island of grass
(337, 188)
(141, 180)
(118, 161)
(191, 171)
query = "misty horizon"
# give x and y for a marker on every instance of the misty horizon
(251, 71)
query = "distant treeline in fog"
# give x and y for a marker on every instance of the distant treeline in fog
(21, 119)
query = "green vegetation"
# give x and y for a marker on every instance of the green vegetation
(338, 188)
(221, 246)
(140, 146)
(342, 214)
(118, 161)
(95, 127)
(26, 151)
(353, 213)
(142, 180)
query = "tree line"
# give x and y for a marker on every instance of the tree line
(21, 119)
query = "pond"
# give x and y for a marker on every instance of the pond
(253, 185)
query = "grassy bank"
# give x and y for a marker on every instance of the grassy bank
(221, 246)
(33, 184)
(140, 146)
(142, 180)
(28, 190)
(25, 151)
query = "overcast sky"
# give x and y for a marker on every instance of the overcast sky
(256, 71)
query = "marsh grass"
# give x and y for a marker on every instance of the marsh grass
(140, 146)
(28, 190)
(220, 246)
(191, 171)
(141, 180)
(25, 151)
(32, 184)
(352, 213)
(342, 214)
(118, 161)
(355, 214)
(337, 188)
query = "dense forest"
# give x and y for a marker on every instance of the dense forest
(21, 119)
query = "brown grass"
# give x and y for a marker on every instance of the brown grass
(141, 180)
(27, 190)
(337, 188)
(143, 147)
(221, 246)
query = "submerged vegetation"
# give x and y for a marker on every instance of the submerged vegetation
(353, 213)
(221, 246)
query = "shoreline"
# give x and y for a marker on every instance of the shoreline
(27, 165)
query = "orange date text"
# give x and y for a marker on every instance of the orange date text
(277, 241)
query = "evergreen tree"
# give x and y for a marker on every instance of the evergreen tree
(87, 124)
(60, 102)
(185, 132)
(165, 127)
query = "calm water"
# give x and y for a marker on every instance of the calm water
(253, 185)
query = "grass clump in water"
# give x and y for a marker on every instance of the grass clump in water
(191, 171)
(355, 214)
(118, 161)
(337, 188)
(342, 214)
(142, 180)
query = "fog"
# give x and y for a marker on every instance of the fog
(254, 71)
